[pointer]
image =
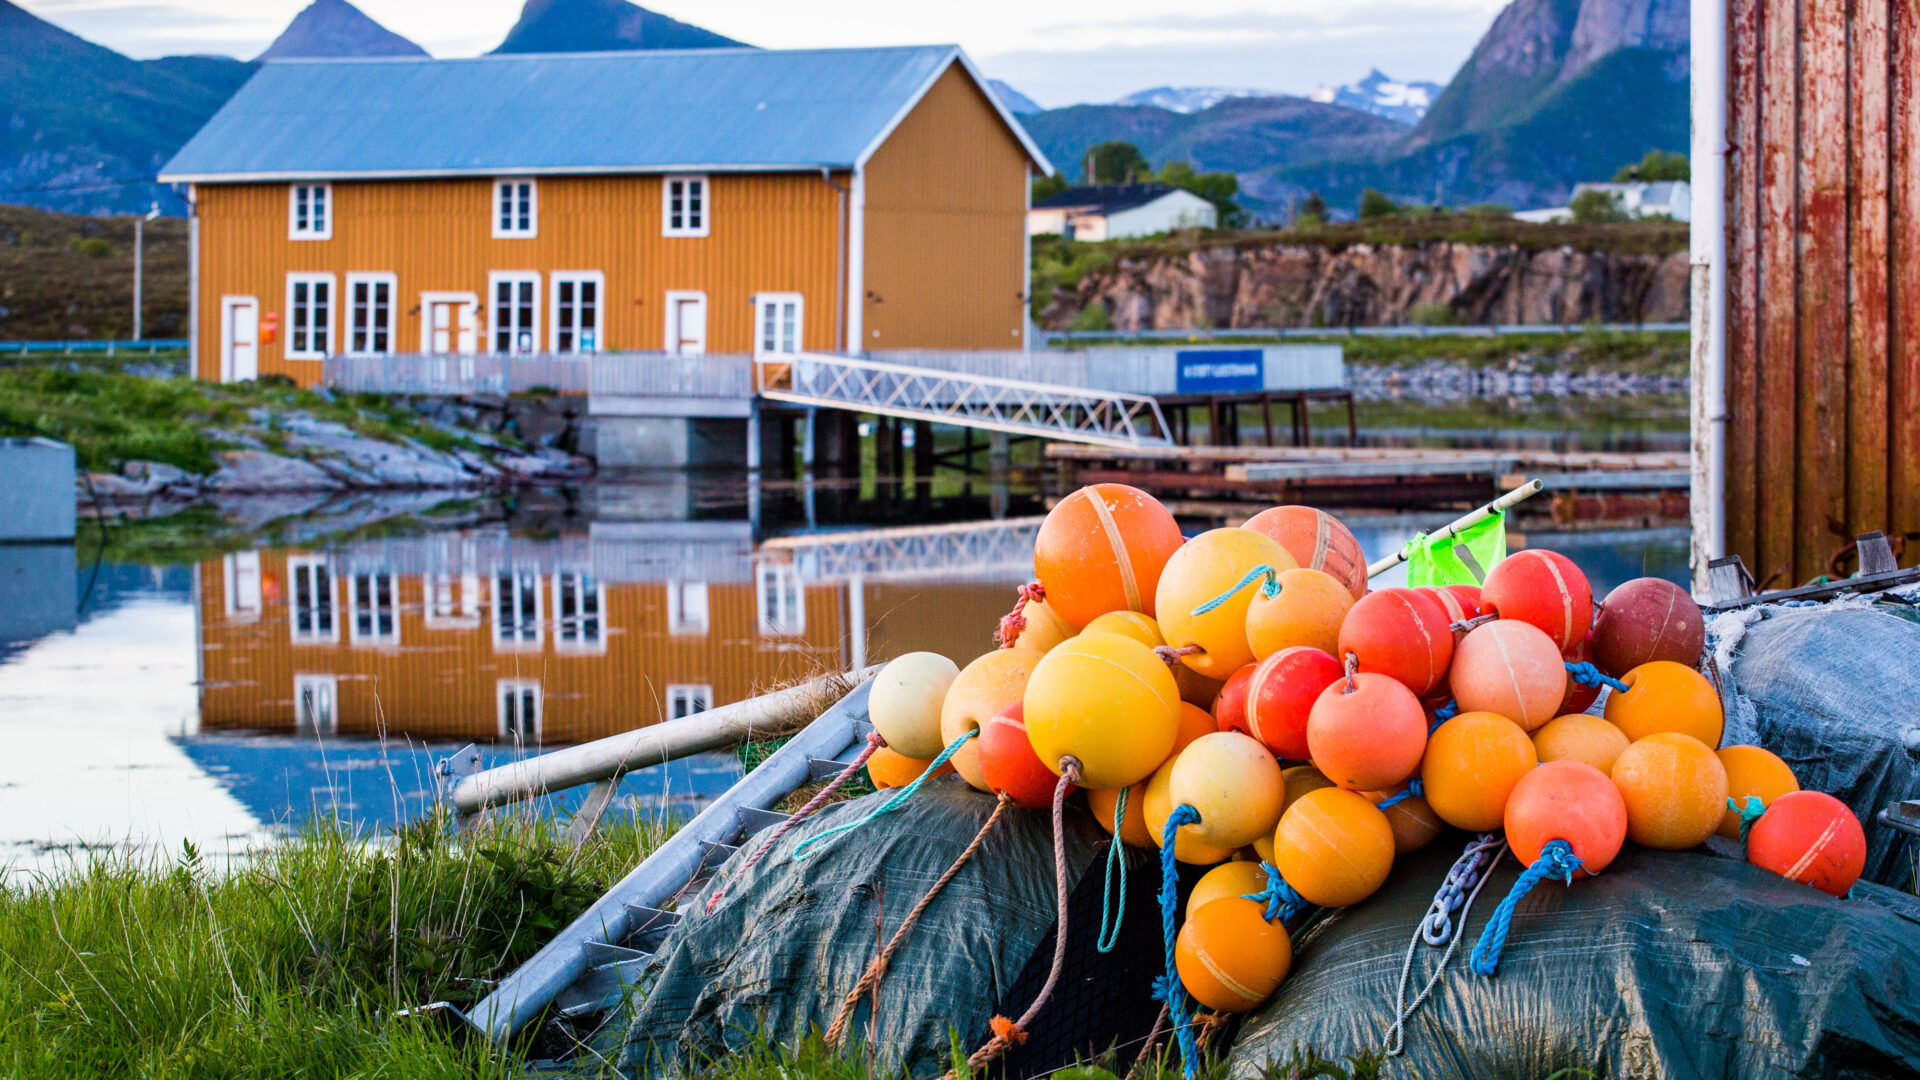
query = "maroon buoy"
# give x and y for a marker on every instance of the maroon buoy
(1647, 619)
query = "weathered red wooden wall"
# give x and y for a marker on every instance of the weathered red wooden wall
(1823, 280)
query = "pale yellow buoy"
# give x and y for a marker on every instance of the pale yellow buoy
(989, 684)
(1234, 783)
(905, 701)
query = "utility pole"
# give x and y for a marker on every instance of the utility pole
(139, 258)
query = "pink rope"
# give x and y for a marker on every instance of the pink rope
(1014, 622)
(874, 742)
(1171, 656)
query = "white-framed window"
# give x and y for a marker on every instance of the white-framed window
(579, 613)
(452, 601)
(519, 709)
(310, 304)
(687, 608)
(370, 314)
(684, 206)
(310, 212)
(516, 208)
(687, 699)
(514, 298)
(778, 321)
(576, 305)
(373, 605)
(240, 582)
(316, 701)
(780, 599)
(311, 620)
(516, 610)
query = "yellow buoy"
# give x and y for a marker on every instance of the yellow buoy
(1334, 847)
(1675, 789)
(1234, 878)
(1235, 784)
(1187, 846)
(1206, 567)
(904, 703)
(992, 682)
(1472, 763)
(1045, 628)
(1307, 610)
(1108, 701)
(1580, 737)
(1133, 624)
(1664, 696)
(1756, 772)
(1229, 957)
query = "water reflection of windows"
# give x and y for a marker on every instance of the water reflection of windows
(686, 699)
(579, 605)
(519, 709)
(241, 585)
(315, 701)
(516, 609)
(686, 608)
(452, 601)
(781, 600)
(312, 618)
(375, 603)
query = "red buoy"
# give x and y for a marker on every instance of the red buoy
(1230, 708)
(1812, 838)
(1280, 695)
(1571, 801)
(1647, 619)
(1401, 634)
(1367, 735)
(1316, 540)
(1580, 697)
(1008, 761)
(1544, 588)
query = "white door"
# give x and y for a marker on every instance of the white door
(687, 323)
(452, 324)
(239, 338)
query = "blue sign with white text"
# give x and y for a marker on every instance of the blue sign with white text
(1219, 371)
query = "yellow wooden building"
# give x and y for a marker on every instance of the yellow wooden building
(738, 201)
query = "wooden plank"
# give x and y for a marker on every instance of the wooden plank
(1867, 368)
(1778, 325)
(1272, 471)
(1646, 480)
(1903, 332)
(1742, 275)
(1820, 408)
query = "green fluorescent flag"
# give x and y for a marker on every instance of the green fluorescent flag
(1432, 560)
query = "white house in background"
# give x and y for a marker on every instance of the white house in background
(1640, 199)
(1119, 211)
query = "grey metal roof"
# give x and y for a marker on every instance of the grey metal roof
(1106, 198)
(643, 111)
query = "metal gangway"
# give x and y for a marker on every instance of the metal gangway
(989, 550)
(1047, 411)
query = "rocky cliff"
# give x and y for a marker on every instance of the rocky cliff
(1377, 285)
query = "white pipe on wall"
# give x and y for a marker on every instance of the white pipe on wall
(1708, 235)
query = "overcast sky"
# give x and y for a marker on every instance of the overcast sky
(1057, 52)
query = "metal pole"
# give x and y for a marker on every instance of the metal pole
(1708, 257)
(1467, 521)
(139, 244)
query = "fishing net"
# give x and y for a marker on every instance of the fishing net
(1667, 964)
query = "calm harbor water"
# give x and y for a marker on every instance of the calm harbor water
(320, 659)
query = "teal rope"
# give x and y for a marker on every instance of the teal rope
(1749, 814)
(1167, 988)
(1414, 790)
(1270, 590)
(1556, 860)
(1116, 856)
(899, 799)
(1282, 903)
(1588, 675)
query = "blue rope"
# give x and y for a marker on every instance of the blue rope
(1588, 675)
(1556, 860)
(1116, 856)
(1168, 988)
(1414, 790)
(1443, 714)
(1283, 904)
(1749, 814)
(899, 799)
(1270, 590)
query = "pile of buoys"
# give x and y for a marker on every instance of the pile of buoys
(1243, 697)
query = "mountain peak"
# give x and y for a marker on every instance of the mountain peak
(337, 28)
(561, 26)
(1014, 100)
(1192, 99)
(1402, 102)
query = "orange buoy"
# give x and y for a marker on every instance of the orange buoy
(1412, 820)
(1101, 549)
(1543, 588)
(1334, 847)
(1010, 766)
(1308, 610)
(1194, 722)
(1665, 696)
(1675, 790)
(1511, 668)
(1472, 763)
(1106, 700)
(1647, 619)
(1580, 697)
(1580, 737)
(1236, 878)
(1318, 541)
(1300, 779)
(1235, 784)
(1208, 567)
(1753, 771)
(1460, 602)
(1812, 838)
(889, 768)
(1133, 825)
(1401, 634)
(1157, 806)
(989, 684)
(1230, 707)
(1195, 688)
(1280, 696)
(1368, 737)
(1229, 957)
(905, 700)
(1141, 628)
(1044, 627)
(1570, 801)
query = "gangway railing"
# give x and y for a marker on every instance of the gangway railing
(1064, 413)
(976, 549)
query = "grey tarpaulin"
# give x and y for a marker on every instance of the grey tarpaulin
(792, 938)
(1835, 691)
(1683, 965)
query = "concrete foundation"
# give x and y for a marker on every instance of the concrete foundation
(36, 490)
(665, 442)
(38, 588)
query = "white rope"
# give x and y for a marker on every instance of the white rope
(1437, 928)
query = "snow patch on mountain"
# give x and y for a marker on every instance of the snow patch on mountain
(1192, 99)
(1405, 102)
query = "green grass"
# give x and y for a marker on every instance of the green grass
(293, 962)
(200, 531)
